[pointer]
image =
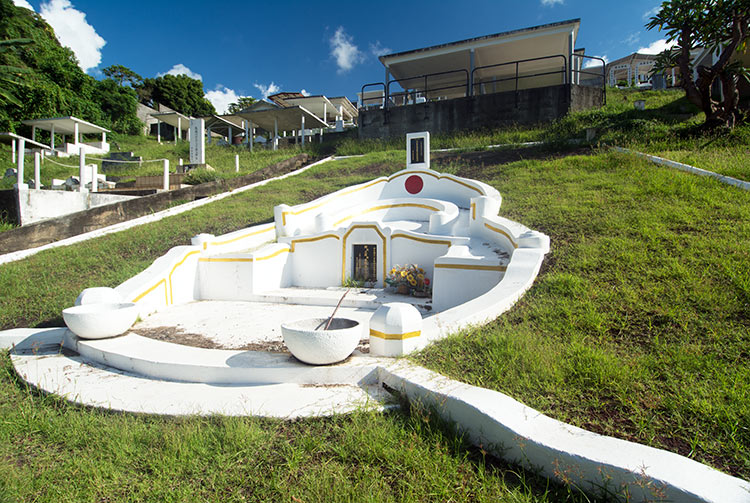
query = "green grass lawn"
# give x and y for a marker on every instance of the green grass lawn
(638, 325)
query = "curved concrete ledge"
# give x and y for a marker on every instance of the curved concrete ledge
(173, 362)
(591, 462)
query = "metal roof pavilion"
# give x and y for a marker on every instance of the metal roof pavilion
(66, 125)
(464, 59)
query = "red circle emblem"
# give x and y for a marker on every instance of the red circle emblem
(414, 184)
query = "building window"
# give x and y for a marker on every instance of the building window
(365, 263)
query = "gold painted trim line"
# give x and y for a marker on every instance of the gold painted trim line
(166, 298)
(473, 211)
(345, 193)
(236, 259)
(308, 240)
(219, 243)
(500, 268)
(394, 337)
(272, 255)
(387, 207)
(421, 240)
(500, 231)
(178, 264)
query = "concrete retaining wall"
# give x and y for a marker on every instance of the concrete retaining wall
(41, 233)
(38, 205)
(527, 106)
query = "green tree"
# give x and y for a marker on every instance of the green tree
(10, 76)
(722, 27)
(178, 92)
(119, 105)
(122, 75)
(242, 103)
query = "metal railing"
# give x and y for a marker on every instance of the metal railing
(516, 77)
(603, 74)
(470, 84)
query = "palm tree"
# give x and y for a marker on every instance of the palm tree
(10, 76)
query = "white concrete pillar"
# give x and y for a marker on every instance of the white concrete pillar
(104, 137)
(247, 133)
(81, 170)
(571, 51)
(231, 136)
(33, 133)
(166, 174)
(76, 140)
(252, 135)
(208, 133)
(321, 135)
(180, 164)
(19, 165)
(179, 129)
(276, 133)
(236, 163)
(94, 184)
(325, 113)
(37, 170)
(52, 137)
(302, 132)
(188, 134)
(158, 130)
(13, 151)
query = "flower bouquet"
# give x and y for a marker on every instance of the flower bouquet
(409, 278)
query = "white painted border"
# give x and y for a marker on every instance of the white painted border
(588, 461)
(21, 254)
(688, 168)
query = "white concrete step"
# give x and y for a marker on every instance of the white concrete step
(364, 298)
(161, 360)
(67, 374)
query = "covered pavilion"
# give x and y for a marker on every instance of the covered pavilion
(272, 117)
(70, 126)
(538, 56)
(175, 119)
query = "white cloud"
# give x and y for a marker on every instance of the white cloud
(73, 31)
(346, 53)
(304, 92)
(378, 50)
(268, 90)
(180, 69)
(221, 98)
(591, 63)
(23, 3)
(550, 3)
(657, 47)
(647, 15)
(632, 39)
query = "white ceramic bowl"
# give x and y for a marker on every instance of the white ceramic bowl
(99, 321)
(321, 347)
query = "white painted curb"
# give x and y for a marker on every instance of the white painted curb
(588, 461)
(688, 168)
(21, 254)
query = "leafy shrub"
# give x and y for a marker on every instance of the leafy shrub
(201, 175)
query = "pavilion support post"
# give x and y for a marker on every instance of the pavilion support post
(179, 130)
(75, 133)
(276, 133)
(33, 133)
(158, 130)
(247, 133)
(231, 136)
(104, 138)
(19, 165)
(81, 170)
(385, 91)
(52, 137)
(321, 135)
(302, 132)
(571, 51)
(252, 135)
(13, 151)
(325, 113)
(37, 170)
(166, 174)
(471, 74)
(94, 184)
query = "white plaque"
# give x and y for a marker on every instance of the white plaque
(197, 141)
(418, 150)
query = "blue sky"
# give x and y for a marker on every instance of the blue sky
(247, 48)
